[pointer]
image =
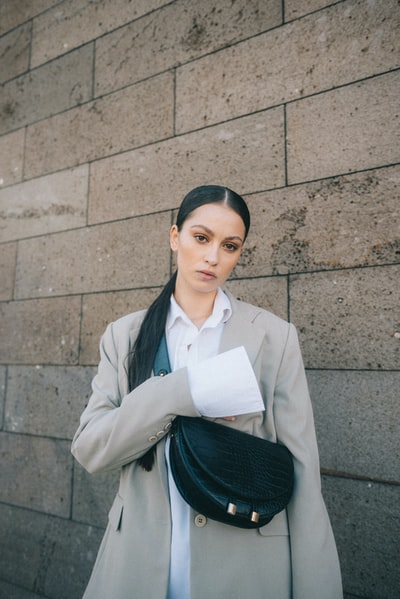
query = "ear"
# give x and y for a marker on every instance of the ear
(173, 238)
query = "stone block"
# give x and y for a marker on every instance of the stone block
(115, 123)
(44, 205)
(348, 319)
(344, 130)
(246, 155)
(11, 157)
(119, 255)
(318, 52)
(295, 9)
(180, 32)
(8, 256)
(14, 13)
(36, 473)
(40, 331)
(78, 552)
(46, 400)
(102, 308)
(53, 88)
(74, 23)
(11, 591)
(93, 495)
(366, 523)
(269, 293)
(14, 52)
(357, 421)
(335, 223)
(49, 556)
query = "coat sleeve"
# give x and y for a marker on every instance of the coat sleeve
(315, 564)
(116, 429)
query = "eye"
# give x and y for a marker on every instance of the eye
(231, 247)
(200, 238)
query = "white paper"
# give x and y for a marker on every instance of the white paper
(225, 385)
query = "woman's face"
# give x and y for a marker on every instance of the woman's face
(208, 247)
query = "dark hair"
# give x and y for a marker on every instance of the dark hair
(153, 325)
(211, 194)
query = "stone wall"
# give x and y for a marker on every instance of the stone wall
(109, 113)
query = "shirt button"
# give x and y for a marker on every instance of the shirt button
(200, 520)
(160, 434)
(167, 426)
(152, 438)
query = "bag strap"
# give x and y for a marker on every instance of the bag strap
(162, 364)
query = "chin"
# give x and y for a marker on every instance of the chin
(209, 287)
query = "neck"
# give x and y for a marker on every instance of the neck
(197, 306)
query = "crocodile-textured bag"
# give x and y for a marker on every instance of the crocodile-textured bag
(228, 475)
(224, 473)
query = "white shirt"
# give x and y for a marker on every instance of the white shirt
(221, 385)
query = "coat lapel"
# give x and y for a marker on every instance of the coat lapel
(241, 330)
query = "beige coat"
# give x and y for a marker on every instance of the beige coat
(294, 556)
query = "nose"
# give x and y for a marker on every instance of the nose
(211, 256)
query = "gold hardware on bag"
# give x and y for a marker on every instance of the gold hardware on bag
(231, 509)
(255, 516)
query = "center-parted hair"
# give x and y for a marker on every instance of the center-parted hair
(153, 326)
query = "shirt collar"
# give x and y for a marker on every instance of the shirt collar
(222, 311)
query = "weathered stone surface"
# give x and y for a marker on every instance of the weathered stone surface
(107, 126)
(2, 393)
(93, 495)
(348, 319)
(357, 421)
(14, 52)
(40, 331)
(55, 87)
(8, 591)
(46, 400)
(34, 548)
(246, 155)
(74, 23)
(38, 473)
(16, 12)
(11, 157)
(295, 9)
(8, 255)
(176, 34)
(335, 223)
(365, 519)
(44, 205)
(100, 309)
(302, 58)
(120, 255)
(269, 293)
(345, 130)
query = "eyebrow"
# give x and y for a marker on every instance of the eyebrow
(210, 232)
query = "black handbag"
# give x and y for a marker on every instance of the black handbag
(226, 474)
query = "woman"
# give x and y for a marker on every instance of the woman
(232, 362)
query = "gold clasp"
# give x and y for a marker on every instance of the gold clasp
(231, 509)
(255, 516)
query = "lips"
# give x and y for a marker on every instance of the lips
(207, 275)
